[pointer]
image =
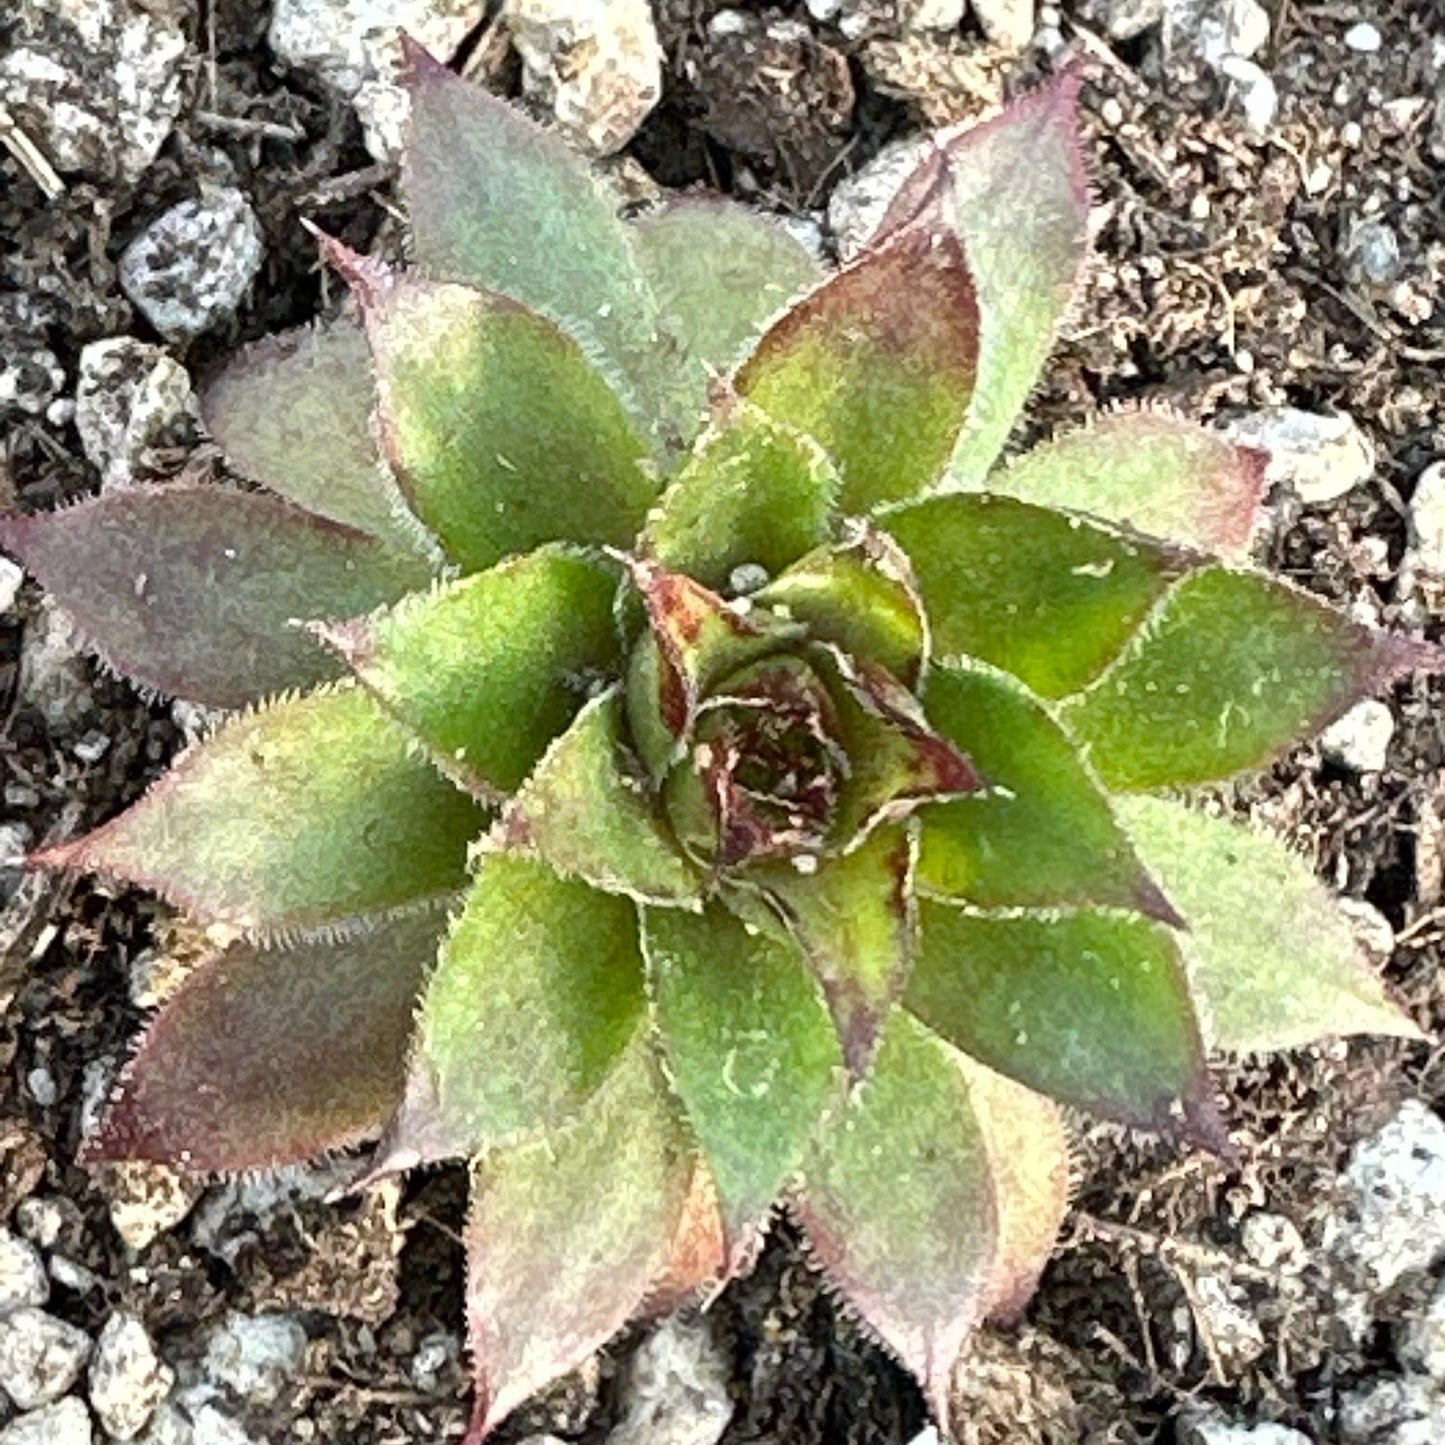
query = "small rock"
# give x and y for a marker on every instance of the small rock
(1321, 457)
(1127, 19)
(1360, 740)
(146, 1199)
(860, 201)
(434, 1357)
(30, 378)
(596, 64)
(1272, 1242)
(677, 1389)
(928, 1436)
(23, 1281)
(254, 1356)
(67, 1422)
(12, 574)
(1224, 28)
(1364, 38)
(72, 1275)
(41, 1357)
(1426, 553)
(1230, 1329)
(40, 1220)
(1395, 1186)
(192, 266)
(1394, 1412)
(1008, 24)
(1258, 94)
(926, 16)
(1422, 1346)
(1373, 931)
(1214, 1430)
(210, 1426)
(132, 399)
(127, 1379)
(1372, 254)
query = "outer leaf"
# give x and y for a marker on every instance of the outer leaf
(496, 201)
(268, 1056)
(293, 412)
(721, 272)
(1156, 473)
(586, 811)
(302, 816)
(502, 435)
(488, 670)
(199, 590)
(750, 1048)
(899, 1205)
(1015, 190)
(855, 919)
(1092, 1009)
(568, 1234)
(1049, 598)
(878, 364)
(861, 596)
(1042, 834)
(753, 492)
(1273, 962)
(1230, 670)
(537, 993)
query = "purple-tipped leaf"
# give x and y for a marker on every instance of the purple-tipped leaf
(878, 365)
(267, 1056)
(202, 592)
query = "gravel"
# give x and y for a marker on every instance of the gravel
(1394, 1412)
(41, 1357)
(132, 399)
(860, 201)
(1426, 553)
(1215, 1430)
(1008, 24)
(1422, 1344)
(127, 1379)
(255, 1356)
(1360, 740)
(23, 1281)
(1320, 457)
(67, 1422)
(676, 1389)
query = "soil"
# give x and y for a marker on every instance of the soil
(1224, 281)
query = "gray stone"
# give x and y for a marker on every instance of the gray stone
(1128, 19)
(54, 675)
(677, 1389)
(1410, 1411)
(211, 1426)
(1422, 1344)
(132, 399)
(1233, 1333)
(1360, 740)
(1320, 457)
(1426, 555)
(67, 1422)
(30, 378)
(41, 1357)
(40, 1220)
(1008, 24)
(1219, 28)
(595, 64)
(1272, 1242)
(1373, 931)
(127, 1379)
(1215, 1430)
(23, 1281)
(192, 266)
(1257, 92)
(1372, 254)
(255, 1356)
(860, 201)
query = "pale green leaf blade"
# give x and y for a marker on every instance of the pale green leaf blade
(303, 815)
(1274, 964)
(750, 1048)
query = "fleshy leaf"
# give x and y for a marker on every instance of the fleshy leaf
(199, 591)
(720, 271)
(1150, 471)
(1049, 598)
(502, 435)
(567, 1235)
(586, 810)
(898, 1203)
(1042, 834)
(267, 1056)
(301, 816)
(293, 412)
(861, 596)
(1231, 669)
(538, 991)
(499, 202)
(1274, 964)
(1015, 190)
(488, 670)
(856, 921)
(878, 364)
(753, 493)
(750, 1048)
(1092, 1009)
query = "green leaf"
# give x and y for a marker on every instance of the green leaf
(293, 412)
(721, 272)
(1232, 668)
(498, 202)
(1092, 1009)
(304, 815)
(878, 364)
(267, 1056)
(488, 670)
(537, 992)
(587, 811)
(199, 591)
(567, 1235)
(753, 492)
(750, 1048)
(1156, 473)
(861, 596)
(1049, 598)
(1015, 191)
(898, 1203)
(1274, 963)
(1042, 834)
(502, 435)
(856, 921)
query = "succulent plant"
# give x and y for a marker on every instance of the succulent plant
(678, 769)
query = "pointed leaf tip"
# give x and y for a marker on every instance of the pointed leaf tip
(368, 277)
(419, 64)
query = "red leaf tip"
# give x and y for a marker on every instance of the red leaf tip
(419, 64)
(368, 278)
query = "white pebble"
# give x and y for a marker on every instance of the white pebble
(1360, 740)
(41, 1357)
(67, 1422)
(127, 1379)
(1364, 38)
(23, 1281)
